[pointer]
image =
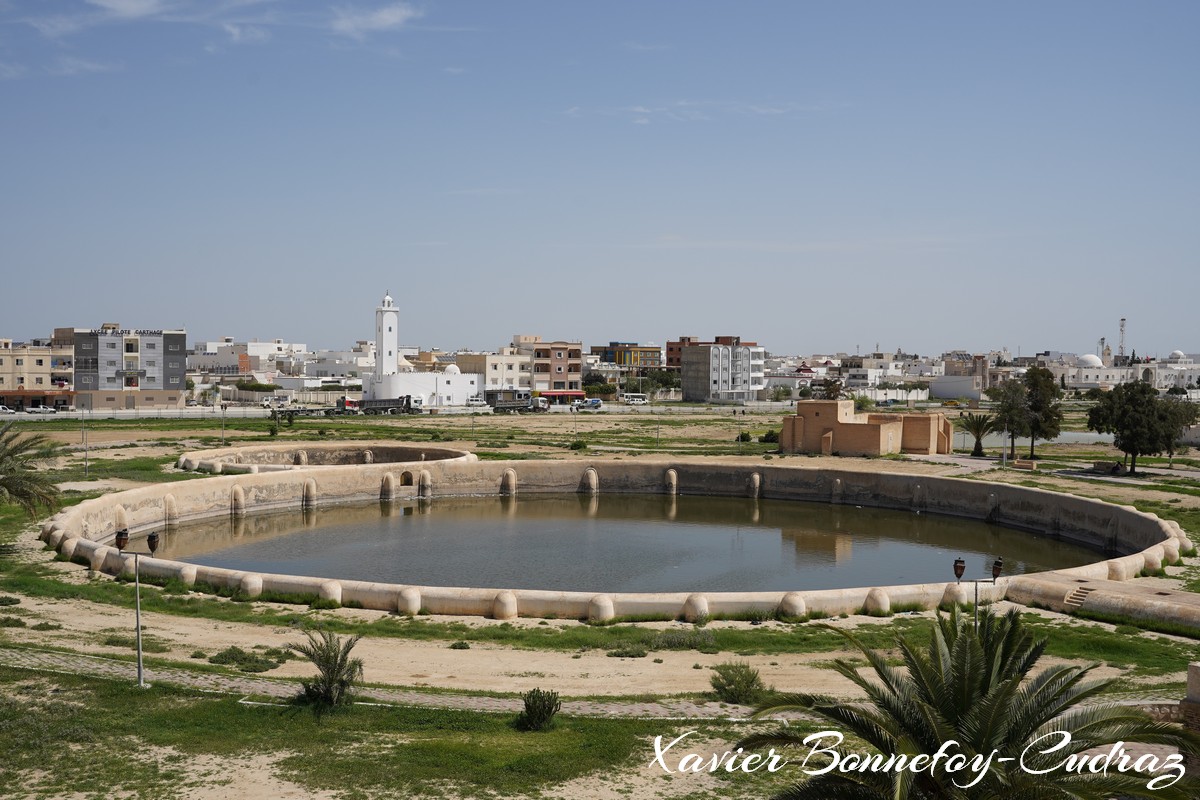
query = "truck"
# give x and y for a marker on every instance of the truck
(516, 402)
(406, 404)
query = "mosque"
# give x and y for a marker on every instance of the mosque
(395, 377)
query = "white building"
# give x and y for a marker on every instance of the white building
(722, 373)
(394, 376)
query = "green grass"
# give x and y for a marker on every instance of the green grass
(73, 742)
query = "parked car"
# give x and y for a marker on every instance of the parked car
(39, 410)
(591, 404)
(6, 410)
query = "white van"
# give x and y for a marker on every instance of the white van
(635, 399)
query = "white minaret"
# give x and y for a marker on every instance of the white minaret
(387, 337)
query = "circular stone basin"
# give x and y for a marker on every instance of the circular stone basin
(617, 543)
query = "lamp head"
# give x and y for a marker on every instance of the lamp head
(997, 567)
(152, 542)
(960, 567)
(122, 540)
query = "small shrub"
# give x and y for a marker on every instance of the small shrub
(244, 661)
(658, 661)
(1128, 630)
(578, 444)
(629, 651)
(460, 645)
(744, 436)
(200, 655)
(12, 622)
(770, 437)
(692, 639)
(273, 430)
(324, 604)
(540, 708)
(9, 600)
(47, 626)
(737, 682)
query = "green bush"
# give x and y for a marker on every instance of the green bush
(578, 444)
(9, 600)
(460, 645)
(770, 437)
(540, 708)
(737, 682)
(690, 639)
(12, 622)
(629, 651)
(744, 436)
(234, 656)
(47, 626)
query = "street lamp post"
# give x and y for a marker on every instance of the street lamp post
(223, 407)
(122, 542)
(960, 567)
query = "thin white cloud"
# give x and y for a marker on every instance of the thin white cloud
(454, 70)
(69, 66)
(58, 26)
(357, 24)
(696, 110)
(130, 9)
(245, 34)
(9, 72)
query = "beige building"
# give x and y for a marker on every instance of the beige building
(506, 370)
(831, 427)
(37, 373)
(556, 368)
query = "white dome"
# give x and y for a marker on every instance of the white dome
(452, 369)
(1177, 355)
(1090, 360)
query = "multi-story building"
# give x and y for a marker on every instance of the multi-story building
(675, 349)
(556, 368)
(503, 371)
(35, 373)
(724, 372)
(630, 356)
(127, 368)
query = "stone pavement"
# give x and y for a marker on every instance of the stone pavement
(248, 685)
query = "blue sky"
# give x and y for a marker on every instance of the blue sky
(816, 176)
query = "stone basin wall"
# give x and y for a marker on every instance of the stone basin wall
(85, 532)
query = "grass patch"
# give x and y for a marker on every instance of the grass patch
(54, 747)
(246, 661)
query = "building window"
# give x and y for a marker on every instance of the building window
(174, 348)
(174, 380)
(40, 362)
(151, 346)
(508, 367)
(111, 380)
(37, 381)
(111, 345)
(150, 363)
(20, 362)
(558, 370)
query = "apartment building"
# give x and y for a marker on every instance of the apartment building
(119, 368)
(630, 356)
(35, 373)
(506, 370)
(726, 372)
(556, 368)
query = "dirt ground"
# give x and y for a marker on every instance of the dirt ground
(482, 667)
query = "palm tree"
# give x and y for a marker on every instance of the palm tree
(20, 482)
(978, 425)
(974, 688)
(336, 671)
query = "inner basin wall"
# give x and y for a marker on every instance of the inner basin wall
(85, 532)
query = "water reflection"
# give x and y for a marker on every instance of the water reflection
(616, 543)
